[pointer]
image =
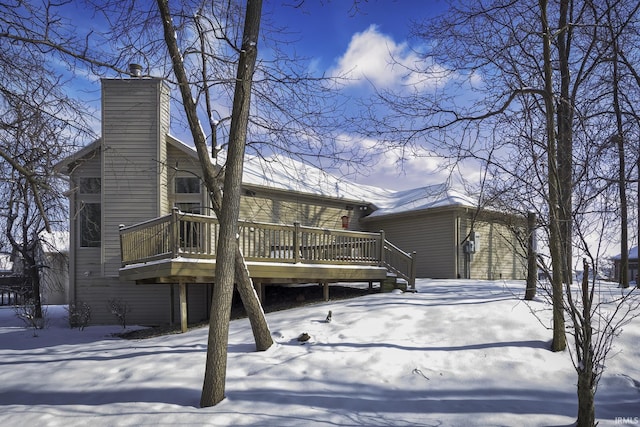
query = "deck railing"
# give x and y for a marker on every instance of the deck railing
(188, 235)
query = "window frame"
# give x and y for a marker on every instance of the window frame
(89, 194)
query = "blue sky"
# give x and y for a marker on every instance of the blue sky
(326, 28)
(339, 38)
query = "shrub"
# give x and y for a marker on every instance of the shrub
(79, 315)
(27, 313)
(120, 309)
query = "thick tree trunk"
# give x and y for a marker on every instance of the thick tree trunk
(586, 406)
(254, 310)
(565, 143)
(216, 367)
(227, 205)
(559, 342)
(34, 278)
(622, 169)
(251, 302)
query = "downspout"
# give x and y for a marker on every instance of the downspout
(456, 237)
(159, 141)
(72, 246)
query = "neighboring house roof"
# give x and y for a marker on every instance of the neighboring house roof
(55, 242)
(633, 254)
(6, 265)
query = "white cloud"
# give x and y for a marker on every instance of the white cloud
(375, 57)
(402, 168)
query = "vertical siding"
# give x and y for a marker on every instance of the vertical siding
(431, 236)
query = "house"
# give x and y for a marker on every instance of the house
(632, 269)
(137, 172)
(53, 256)
(9, 280)
(452, 238)
(52, 260)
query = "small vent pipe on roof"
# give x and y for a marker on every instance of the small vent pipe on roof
(135, 70)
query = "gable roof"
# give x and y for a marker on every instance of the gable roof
(633, 254)
(287, 174)
(65, 165)
(422, 198)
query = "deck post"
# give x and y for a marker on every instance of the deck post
(259, 287)
(296, 242)
(122, 258)
(381, 248)
(412, 279)
(325, 290)
(172, 310)
(174, 232)
(183, 307)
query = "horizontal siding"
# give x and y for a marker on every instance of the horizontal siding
(499, 255)
(180, 164)
(149, 304)
(85, 264)
(263, 205)
(256, 209)
(131, 127)
(431, 236)
(282, 211)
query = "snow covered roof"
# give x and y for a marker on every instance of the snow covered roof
(56, 241)
(422, 198)
(6, 265)
(633, 254)
(287, 174)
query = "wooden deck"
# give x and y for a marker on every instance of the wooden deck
(180, 248)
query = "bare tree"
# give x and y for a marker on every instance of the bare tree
(38, 123)
(518, 69)
(228, 256)
(525, 89)
(291, 113)
(597, 318)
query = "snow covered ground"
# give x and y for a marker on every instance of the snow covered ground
(457, 353)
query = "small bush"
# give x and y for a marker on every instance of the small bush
(120, 309)
(79, 315)
(27, 313)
